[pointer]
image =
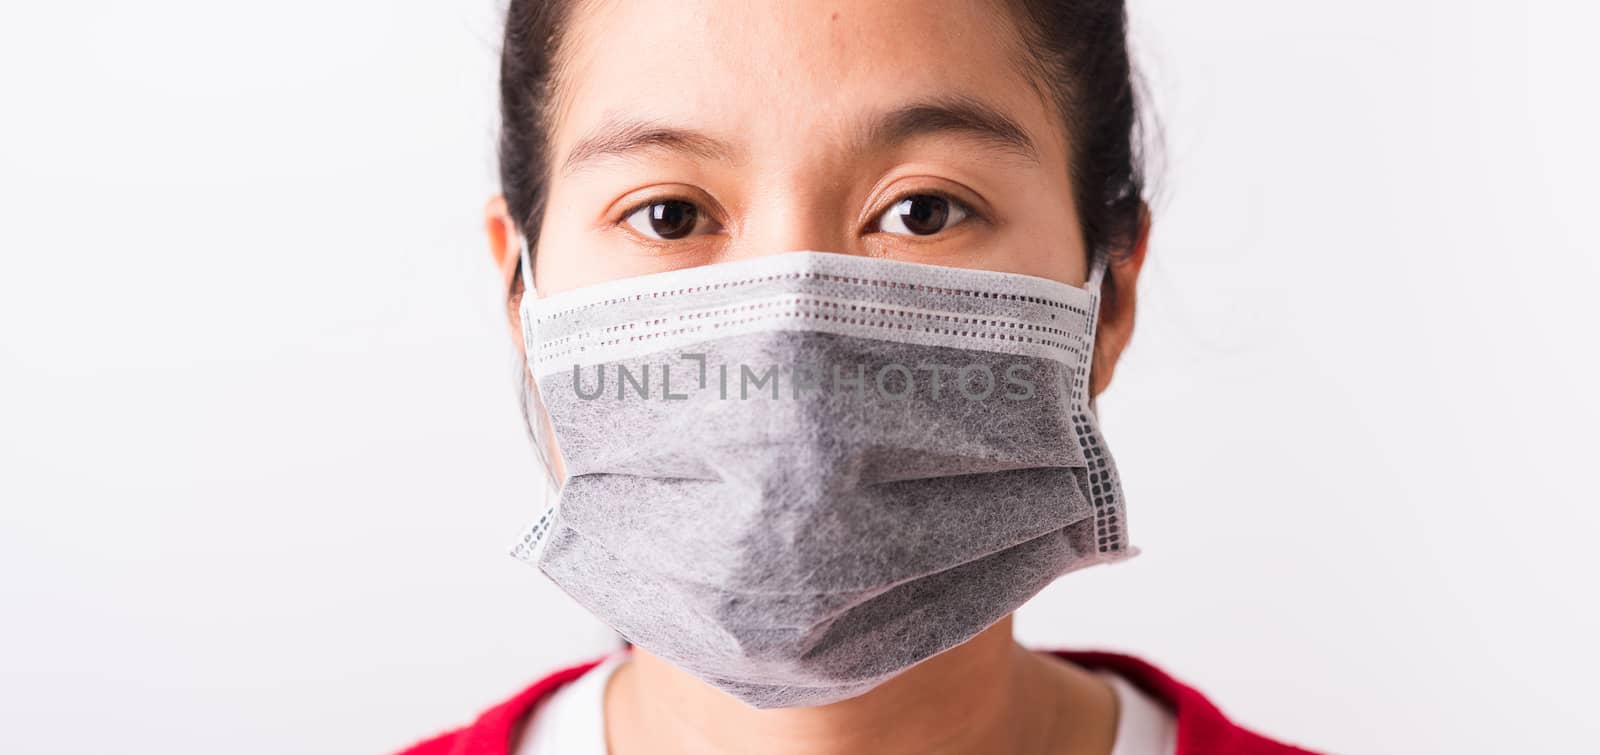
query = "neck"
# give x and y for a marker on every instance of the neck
(988, 695)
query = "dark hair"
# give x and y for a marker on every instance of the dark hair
(1079, 54)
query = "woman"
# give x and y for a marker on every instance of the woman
(816, 298)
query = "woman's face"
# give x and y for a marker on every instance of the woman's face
(690, 132)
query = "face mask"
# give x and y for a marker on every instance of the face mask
(799, 475)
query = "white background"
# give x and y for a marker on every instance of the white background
(260, 456)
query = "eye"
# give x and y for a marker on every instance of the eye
(922, 215)
(667, 219)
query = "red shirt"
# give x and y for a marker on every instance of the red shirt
(1202, 729)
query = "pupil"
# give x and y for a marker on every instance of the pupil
(924, 214)
(672, 219)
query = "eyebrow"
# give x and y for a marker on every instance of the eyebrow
(960, 115)
(620, 137)
(964, 116)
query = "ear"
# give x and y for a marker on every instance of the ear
(1117, 304)
(505, 249)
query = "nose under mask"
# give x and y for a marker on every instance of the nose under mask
(796, 476)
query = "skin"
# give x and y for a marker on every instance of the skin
(797, 125)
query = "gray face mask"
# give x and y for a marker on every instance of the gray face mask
(797, 476)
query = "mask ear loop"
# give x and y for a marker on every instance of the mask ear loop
(1096, 287)
(532, 407)
(526, 266)
(1097, 274)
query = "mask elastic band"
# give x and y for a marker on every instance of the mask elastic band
(527, 267)
(1097, 272)
(1095, 285)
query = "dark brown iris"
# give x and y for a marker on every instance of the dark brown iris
(672, 219)
(923, 214)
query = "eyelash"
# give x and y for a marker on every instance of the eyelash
(972, 213)
(643, 203)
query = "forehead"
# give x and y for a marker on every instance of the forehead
(763, 70)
